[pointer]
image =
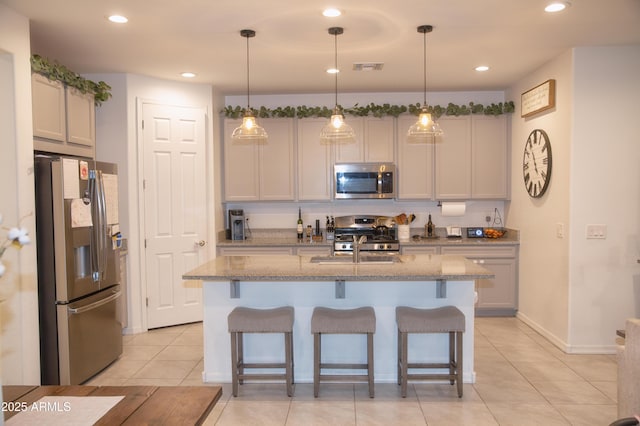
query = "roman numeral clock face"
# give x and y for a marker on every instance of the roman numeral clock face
(536, 163)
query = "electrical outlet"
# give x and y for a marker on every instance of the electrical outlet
(560, 230)
(598, 232)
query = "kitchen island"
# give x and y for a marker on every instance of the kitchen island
(425, 281)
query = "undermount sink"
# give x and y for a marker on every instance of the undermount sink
(348, 260)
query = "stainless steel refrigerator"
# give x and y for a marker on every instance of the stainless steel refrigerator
(78, 240)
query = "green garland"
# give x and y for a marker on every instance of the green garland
(372, 109)
(57, 72)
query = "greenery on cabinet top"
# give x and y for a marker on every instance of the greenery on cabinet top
(372, 109)
(58, 72)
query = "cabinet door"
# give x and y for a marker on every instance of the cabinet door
(314, 161)
(379, 140)
(489, 157)
(276, 160)
(241, 181)
(48, 108)
(353, 152)
(498, 296)
(453, 159)
(415, 165)
(81, 118)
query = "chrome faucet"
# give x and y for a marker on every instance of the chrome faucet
(356, 247)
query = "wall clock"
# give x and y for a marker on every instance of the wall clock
(536, 163)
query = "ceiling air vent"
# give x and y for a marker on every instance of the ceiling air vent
(368, 66)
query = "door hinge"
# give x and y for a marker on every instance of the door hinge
(147, 301)
(142, 124)
(144, 184)
(145, 243)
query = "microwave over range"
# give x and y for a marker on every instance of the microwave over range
(364, 180)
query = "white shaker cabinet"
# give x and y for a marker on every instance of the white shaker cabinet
(374, 141)
(489, 163)
(496, 296)
(415, 164)
(64, 119)
(315, 167)
(453, 159)
(255, 171)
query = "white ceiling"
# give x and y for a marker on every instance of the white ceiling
(292, 48)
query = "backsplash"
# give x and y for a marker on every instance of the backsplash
(285, 215)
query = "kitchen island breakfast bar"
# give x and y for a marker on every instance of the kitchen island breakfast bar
(422, 281)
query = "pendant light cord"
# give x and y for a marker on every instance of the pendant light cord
(248, 99)
(335, 52)
(424, 57)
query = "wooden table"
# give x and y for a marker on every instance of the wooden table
(141, 404)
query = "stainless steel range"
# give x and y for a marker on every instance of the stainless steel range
(379, 231)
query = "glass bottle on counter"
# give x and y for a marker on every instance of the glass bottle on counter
(430, 227)
(299, 227)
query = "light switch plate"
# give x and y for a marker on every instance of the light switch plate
(598, 232)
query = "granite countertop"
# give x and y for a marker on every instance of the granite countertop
(300, 268)
(287, 238)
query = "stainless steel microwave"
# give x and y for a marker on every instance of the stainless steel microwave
(364, 180)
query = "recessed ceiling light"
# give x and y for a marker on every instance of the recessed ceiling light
(118, 19)
(188, 74)
(333, 71)
(482, 68)
(557, 6)
(331, 13)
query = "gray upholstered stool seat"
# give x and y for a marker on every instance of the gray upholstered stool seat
(446, 319)
(342, 321)
(248, 320)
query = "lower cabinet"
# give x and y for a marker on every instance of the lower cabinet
(497, 296)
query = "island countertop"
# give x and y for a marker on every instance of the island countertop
(300, 268)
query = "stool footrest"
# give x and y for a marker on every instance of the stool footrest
(264, 376)
(431, 376)
(431, 365)
(344, 366)
(345, 377)
(261, 365)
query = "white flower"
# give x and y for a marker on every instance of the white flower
(18, 236)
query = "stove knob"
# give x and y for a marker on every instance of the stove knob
(344, 246)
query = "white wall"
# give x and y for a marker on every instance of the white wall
(578, 291)
(544, 260)
(117, 132)
(18, 287)
(605, 189)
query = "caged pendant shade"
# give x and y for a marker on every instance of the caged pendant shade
(426, 128)
(249, 130)
(337, 130)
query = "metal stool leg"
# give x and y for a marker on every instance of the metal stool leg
(316, 364)
(234, 364)
(399, 357)
(459, 362)
(370, 364)
(452, 356)
(404, 379)
(288, 355)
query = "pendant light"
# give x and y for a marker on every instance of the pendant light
(426, 127)
(249, 130)
(336, 130)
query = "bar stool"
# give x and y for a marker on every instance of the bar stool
(342, 321)
(247, 320)
(446, 319)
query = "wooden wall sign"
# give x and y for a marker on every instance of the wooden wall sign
(540, 98)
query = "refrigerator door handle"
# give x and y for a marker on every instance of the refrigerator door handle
(99, 213)
(94, 305)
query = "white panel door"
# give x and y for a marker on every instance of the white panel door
(174, 211)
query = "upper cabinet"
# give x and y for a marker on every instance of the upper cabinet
(415, 165)
(260, 171)
(453, 159)
(489, 163)
(374, 141)
(315, 167)
(63, 118)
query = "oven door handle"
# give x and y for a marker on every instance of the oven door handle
(95, 305)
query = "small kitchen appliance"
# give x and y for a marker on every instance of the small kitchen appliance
(379, 231)
(364, 180)
(236, 224)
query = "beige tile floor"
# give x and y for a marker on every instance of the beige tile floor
(522, 379)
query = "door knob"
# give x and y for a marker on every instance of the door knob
(202, 243)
